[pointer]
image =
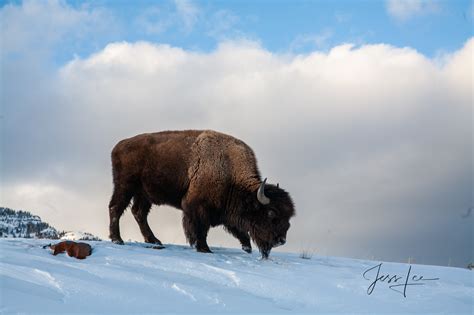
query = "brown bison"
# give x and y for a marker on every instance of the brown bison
(211, 176)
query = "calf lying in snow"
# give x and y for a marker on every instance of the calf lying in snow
(73, 249)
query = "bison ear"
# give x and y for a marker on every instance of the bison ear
(271, 214)
(278, 185)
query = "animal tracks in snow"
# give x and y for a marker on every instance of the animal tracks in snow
(227, 273)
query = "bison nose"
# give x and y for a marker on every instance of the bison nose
(282, 241)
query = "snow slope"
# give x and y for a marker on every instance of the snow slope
(135, 279)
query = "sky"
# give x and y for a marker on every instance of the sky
(362, 110)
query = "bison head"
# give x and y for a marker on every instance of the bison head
(272, 221)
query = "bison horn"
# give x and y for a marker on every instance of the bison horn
(261, 194)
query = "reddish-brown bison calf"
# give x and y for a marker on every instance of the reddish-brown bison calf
(73, 249)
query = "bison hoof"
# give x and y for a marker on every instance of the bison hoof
(153, 241)
(247, 249)
(117, 241)
(203, 249)
(265, 255)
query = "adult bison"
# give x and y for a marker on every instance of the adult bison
(211, 176)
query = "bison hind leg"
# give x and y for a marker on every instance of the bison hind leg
(118, 203)
(189, 230)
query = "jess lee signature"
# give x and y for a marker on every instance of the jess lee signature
(396, 283)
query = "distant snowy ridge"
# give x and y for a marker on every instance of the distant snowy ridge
(24, 224)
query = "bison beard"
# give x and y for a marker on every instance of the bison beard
(212, 177)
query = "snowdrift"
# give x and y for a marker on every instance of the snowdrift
(136, 279)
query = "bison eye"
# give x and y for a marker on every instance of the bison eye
(271, 214)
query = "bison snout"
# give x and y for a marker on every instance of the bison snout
(280, 241)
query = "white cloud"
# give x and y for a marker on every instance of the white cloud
(188, 12)
(311, 41)
(405, 9)
(152, 21)
(157, 19)
(38, 25)
(222, 25)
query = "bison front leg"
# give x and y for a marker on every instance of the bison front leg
(242, 236)
(196, 232)
(140, 209)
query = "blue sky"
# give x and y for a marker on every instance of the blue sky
(277, 24)
(431, 27)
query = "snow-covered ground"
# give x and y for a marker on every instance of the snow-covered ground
(135, 279)
(79, 235)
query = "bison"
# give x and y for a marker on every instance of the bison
(212, 177)
(73, 249)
